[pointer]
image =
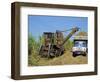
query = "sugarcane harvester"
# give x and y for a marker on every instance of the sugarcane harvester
(54, 43)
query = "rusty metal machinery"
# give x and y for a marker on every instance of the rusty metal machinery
(54, 43)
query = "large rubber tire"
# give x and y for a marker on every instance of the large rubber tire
(74, 55)
(84, 54)
(43, 53)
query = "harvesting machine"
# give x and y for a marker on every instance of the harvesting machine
(54, 43)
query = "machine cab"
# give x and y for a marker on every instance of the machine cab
(48, 38)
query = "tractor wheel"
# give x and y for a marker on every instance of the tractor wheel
(42, 53)
(58, 53)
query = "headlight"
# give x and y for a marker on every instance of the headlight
(74, 48)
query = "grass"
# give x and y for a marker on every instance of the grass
(66, 58)
(35, 60)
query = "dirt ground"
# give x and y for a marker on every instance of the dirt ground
(65, 59)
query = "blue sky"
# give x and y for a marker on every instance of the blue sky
(39, 24)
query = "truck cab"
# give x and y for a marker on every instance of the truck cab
(80, 46)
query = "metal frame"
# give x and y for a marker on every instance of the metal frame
(15, 39)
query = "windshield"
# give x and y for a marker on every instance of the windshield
(80, 44)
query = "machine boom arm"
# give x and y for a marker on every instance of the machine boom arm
(74, 30)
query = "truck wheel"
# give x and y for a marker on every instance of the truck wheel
(74, 55)
(84, 54)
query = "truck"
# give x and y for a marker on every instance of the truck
(80, 46)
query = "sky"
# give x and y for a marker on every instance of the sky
(37, 24)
